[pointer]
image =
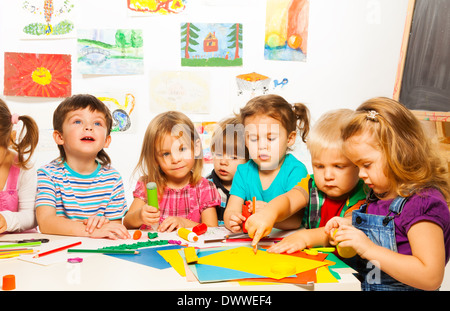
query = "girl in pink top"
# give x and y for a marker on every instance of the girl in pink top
(17, 175)
(171, 156)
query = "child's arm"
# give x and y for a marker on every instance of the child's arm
(50, 223)
(301, 239)
(208, 217)
(424, 269)
(140, 214)
(232, 216)
(261, 223)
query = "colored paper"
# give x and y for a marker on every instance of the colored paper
(325, 276)
(173, 257)
(261, 263)
(40, 75)
(149, 257)
(211, 45)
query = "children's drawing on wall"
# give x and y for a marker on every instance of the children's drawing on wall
(43, 19)
(215, 45)
(254, 83)
(122, 106)
(40, 75)
(206, 130)
(286, 30)
(110, 51)
(180, 90)
(155, 7)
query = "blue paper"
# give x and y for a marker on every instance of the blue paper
(149, 257)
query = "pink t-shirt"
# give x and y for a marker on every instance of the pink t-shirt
(188, 202)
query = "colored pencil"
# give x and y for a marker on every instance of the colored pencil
(21, 244)
(57, 250)
(103, 251)
(8, 256)
(24, 251)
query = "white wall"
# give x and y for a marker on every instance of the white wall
(353, 54)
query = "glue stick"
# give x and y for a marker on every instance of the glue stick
(344, 252)
(187, 235)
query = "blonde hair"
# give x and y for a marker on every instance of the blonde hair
(326, 133)
(292, 117)
(229, 134)
(26, 142)
(412, 163)
(167, 123)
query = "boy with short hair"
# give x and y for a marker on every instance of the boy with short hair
(225, 144)
(333, 190)
(79, 193)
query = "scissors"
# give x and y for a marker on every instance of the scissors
(26, 241)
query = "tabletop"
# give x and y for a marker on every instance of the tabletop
(105, 272)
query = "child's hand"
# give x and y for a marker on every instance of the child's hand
(95, 222)
(259, 206)
(236, 221)
(149, 215)
(334, 223)
(111, 230)
(258, 226)
(289, 244)
(349, 236)
(171, 223)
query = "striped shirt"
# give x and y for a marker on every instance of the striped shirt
(78, 196)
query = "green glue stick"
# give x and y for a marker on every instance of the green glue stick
(152, 195)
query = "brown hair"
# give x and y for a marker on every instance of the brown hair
(27, 141)
(292, 117)
(167, 123)
(82, 101)
(228, 134)
(412, 163)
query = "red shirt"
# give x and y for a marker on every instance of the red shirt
(330, 208)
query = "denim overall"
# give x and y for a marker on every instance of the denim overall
(381, 231)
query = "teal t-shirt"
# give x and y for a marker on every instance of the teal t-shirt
(246, 182)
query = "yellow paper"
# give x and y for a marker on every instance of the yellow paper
(261, 263)
(324, 275)
(174, 259)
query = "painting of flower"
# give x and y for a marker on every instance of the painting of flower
(40, 75)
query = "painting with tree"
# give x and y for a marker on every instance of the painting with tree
(212, 45)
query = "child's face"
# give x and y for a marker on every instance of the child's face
(334, 173)
(225, 166)
(361, 150)
(84, 133)
(176, 159)
(267, 141)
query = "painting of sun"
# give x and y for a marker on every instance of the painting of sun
(39, 75)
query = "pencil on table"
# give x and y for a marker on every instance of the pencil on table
(57, 250)
(103, 251)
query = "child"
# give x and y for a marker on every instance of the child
(171, 156)
(271, 125)
(333, 190)
(17, 174)
(404, 229)
(79, 193)
(228, 149)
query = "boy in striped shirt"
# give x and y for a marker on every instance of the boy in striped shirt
(79, 193)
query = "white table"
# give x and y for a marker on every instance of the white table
(102, 272)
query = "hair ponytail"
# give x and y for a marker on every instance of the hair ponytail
(302, 114)
(26, 141)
